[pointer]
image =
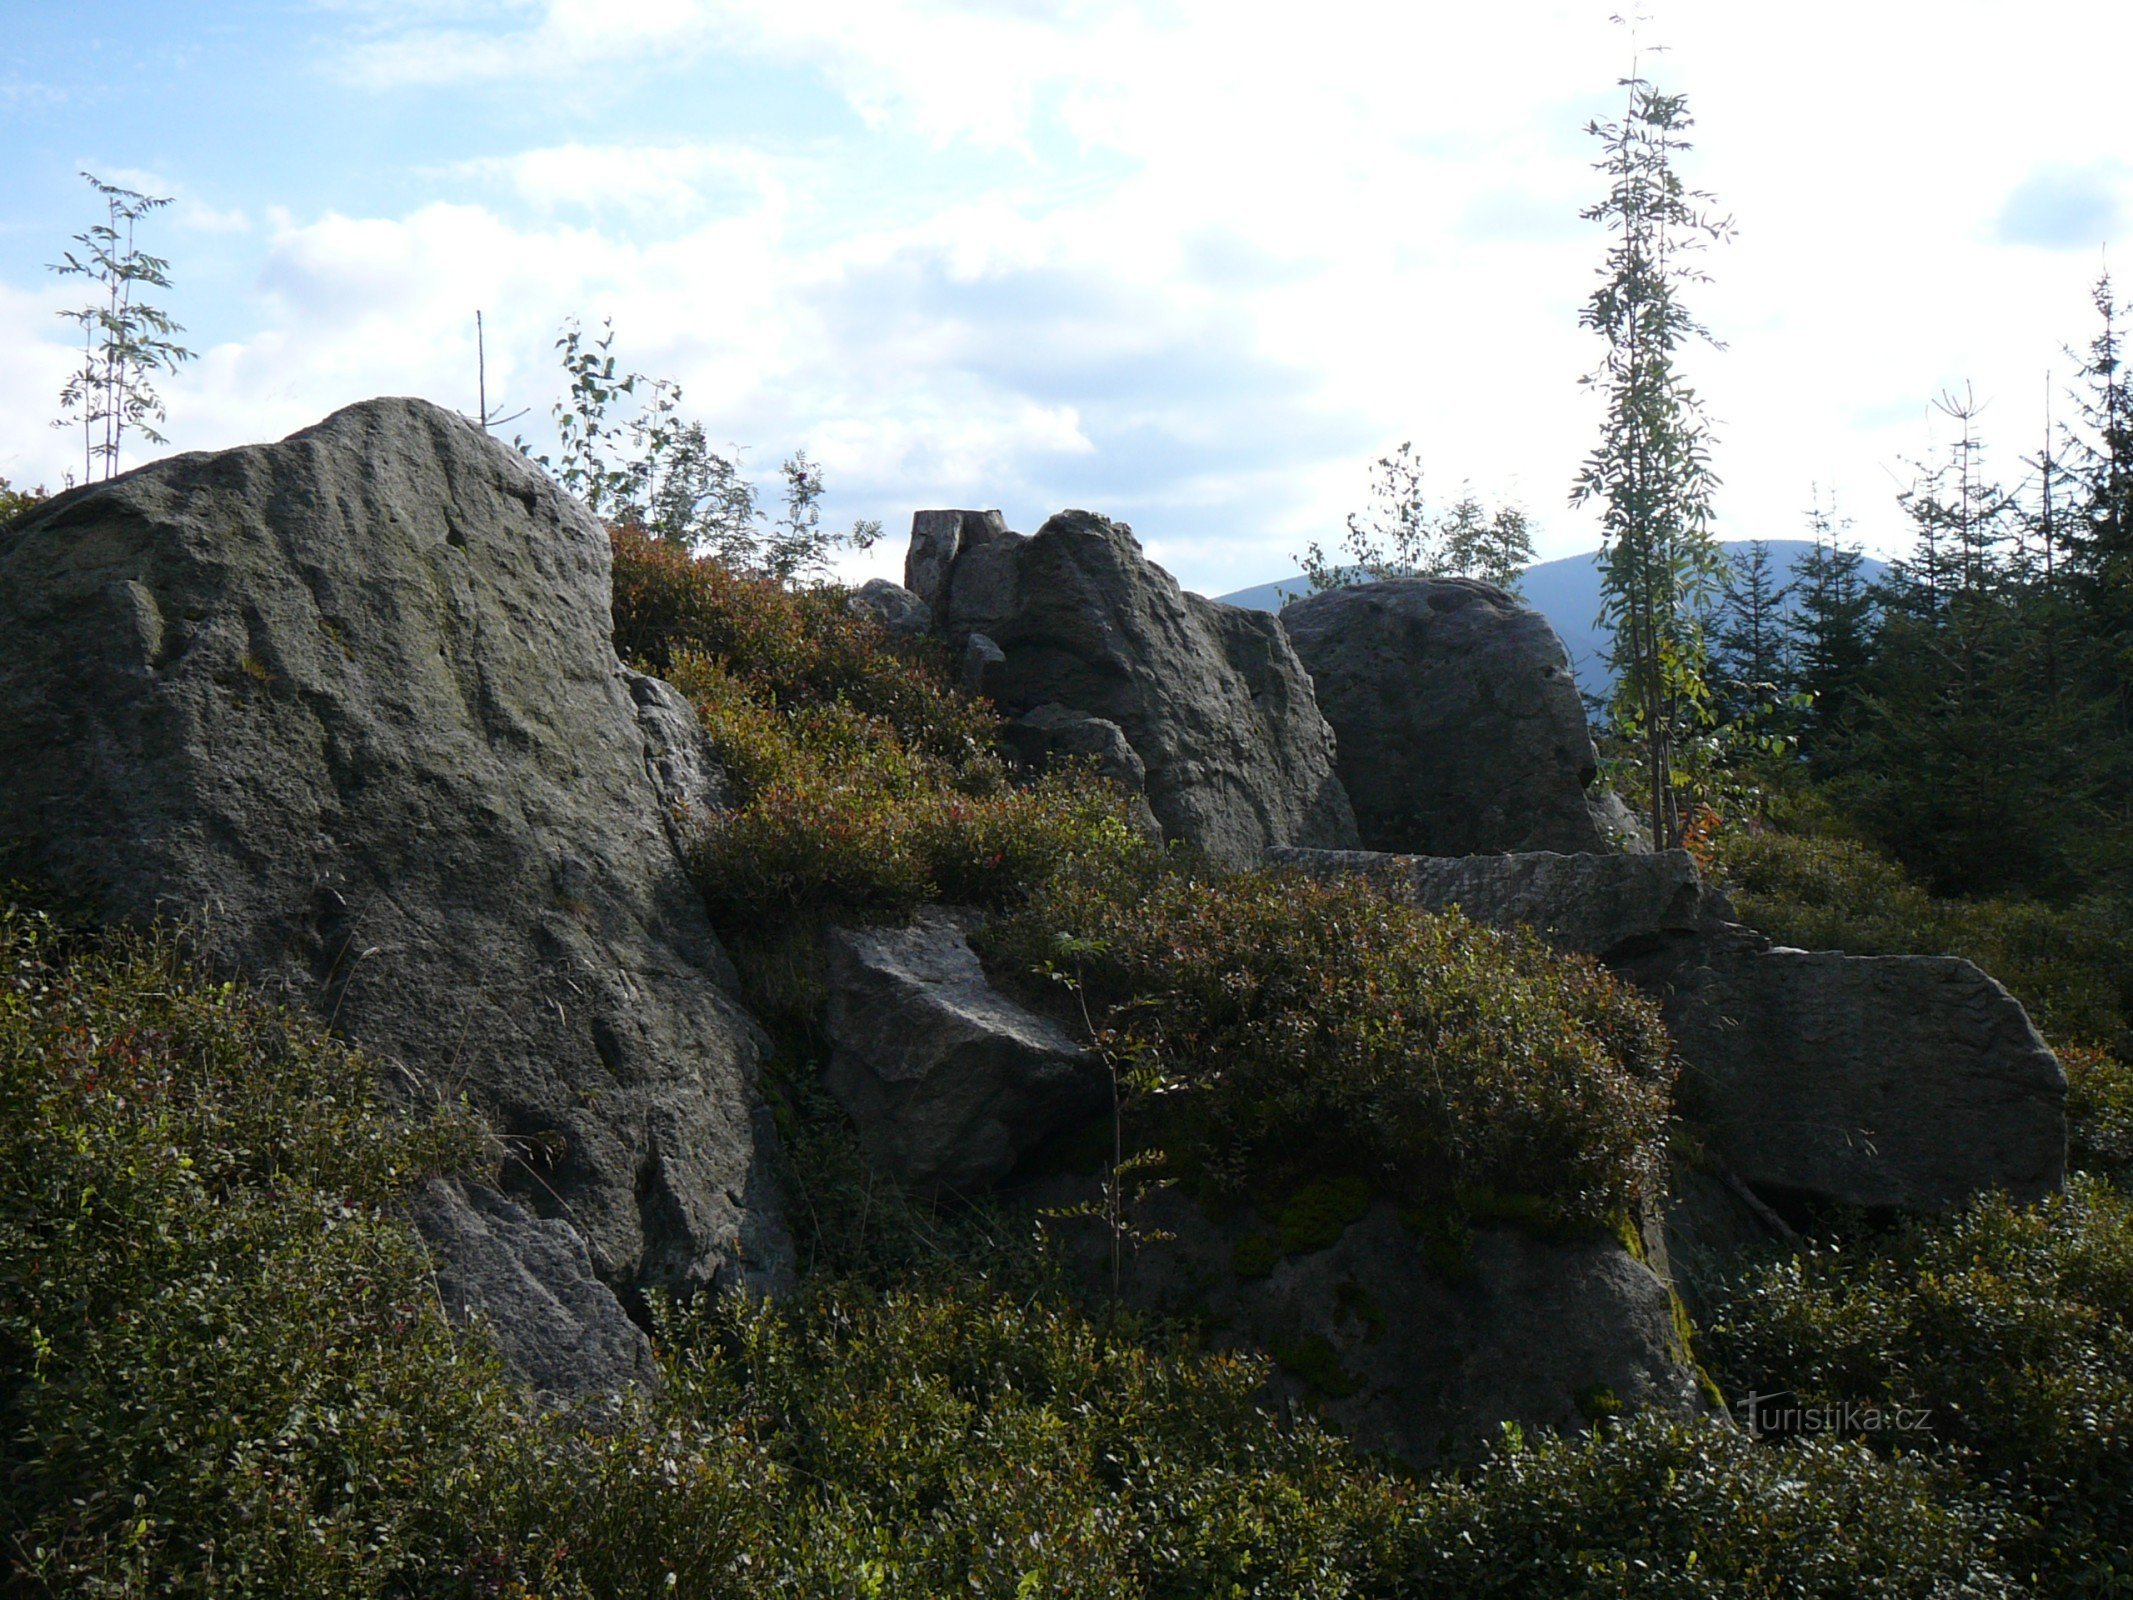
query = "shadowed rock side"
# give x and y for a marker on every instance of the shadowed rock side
(1211, 698)
(1409, 1344)
(348, 703)
(1907, 1082)
(1460, 727)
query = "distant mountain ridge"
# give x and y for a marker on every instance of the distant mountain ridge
(1567, 593)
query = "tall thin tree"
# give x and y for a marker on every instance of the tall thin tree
(1651, 472)
(125, 339)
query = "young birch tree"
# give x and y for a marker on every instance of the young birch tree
(125, 340)
(1651, 472)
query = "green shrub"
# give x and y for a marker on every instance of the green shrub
(222, 1368)
(1673, 1510)
(2001, 1341)
(837, 815)
(789, 648)
(2099, 1111)
(14, 501)
(866, 783)
(1325, 1027)
(2070, 966)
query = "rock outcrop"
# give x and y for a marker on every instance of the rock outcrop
(348, 705)
(1459, 724)
(528, 1280)
(1904, 1082)
(1909, 1082)
(896, 608)
(1414, 1342)
(947, 1081)
(1211, 698)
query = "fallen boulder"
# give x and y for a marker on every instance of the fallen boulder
(948, 1081)
(1211, 698)
(347, 705)
(1460, 726)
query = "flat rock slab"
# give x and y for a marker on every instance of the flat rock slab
(348, 704)
(1460, 725)
(1599, 905)
(1211, 698)
(1909, 1082)
(948, 1081)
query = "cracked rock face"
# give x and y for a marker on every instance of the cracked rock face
(347, 704)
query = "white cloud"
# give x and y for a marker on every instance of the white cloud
(1197, 263)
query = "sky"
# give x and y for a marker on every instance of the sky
(1190, 263)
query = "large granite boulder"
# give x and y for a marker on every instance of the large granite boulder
(1909, 1082)
(1211, 697)
(348, 705)
(948, 1082)
(1460, 726)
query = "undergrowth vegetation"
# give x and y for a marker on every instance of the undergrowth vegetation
(865, 783)
(224, 1371)
(2071, 965)
(1999, 1343)
(1327, 1027)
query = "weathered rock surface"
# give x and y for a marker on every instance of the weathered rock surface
(686, 774)
(1459, 723)
(529, 1280)
(948, 1081)
(1405, 1355)
(348, 704)
(1881, 1081)
(893, 606)
(1211, 698)
(1618, 822)
(1876, 1081)
(1052, 732)
(937, 537)
(1612, 906)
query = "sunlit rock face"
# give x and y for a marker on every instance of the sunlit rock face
(347, 704)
